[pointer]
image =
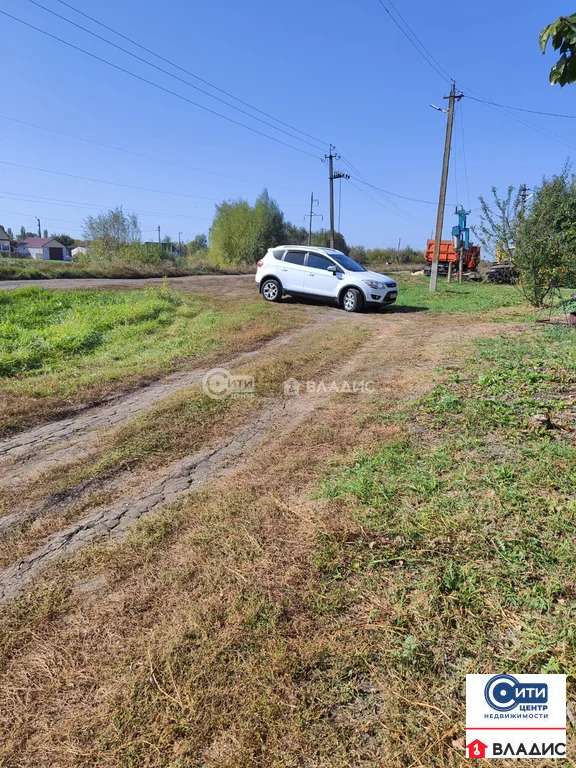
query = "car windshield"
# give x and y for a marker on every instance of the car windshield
(347, 262)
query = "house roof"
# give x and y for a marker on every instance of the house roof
(39, 242)
(3, 234)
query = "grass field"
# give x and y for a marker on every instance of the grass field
(242, 628)
(60, 348)
(321, 608)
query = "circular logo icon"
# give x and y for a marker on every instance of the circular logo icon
(500, 692)
(216, 383)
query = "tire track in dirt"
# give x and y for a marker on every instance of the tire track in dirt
(180, 477)
(35, 450)
(400, 354)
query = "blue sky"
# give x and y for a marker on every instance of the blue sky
(340, 71)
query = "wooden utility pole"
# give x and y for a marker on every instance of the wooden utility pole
(443, 185)
(39, 227)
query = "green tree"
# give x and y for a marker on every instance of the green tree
(562, 34)
(241, 233)
(546, 239)
(231, 234)
(322, 238)
(66, 240)
(110, 231)
(295, 235)
(200, 243)
(267, 225)
(498, 227)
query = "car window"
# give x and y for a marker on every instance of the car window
(319, 262)
(295, 257)
(278, 253)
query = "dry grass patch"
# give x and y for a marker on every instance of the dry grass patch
(178, 426)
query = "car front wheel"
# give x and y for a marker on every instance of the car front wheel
(352, 300)
(271, 290)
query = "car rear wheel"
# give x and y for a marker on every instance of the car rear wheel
(271, 290)
(352, 300)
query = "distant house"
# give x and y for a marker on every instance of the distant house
(79, 250)
(5, 248)
(43, 248)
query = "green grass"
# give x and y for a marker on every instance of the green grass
(57, 348)
(30, 269)
(413, 292)
(466, 531)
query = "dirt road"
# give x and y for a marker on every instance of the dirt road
(231, 284)
(398, 353)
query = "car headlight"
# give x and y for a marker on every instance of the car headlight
(374, 283)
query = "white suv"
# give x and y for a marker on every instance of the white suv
(324, 273)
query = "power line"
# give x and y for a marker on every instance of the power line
(104, 181)
(461, 103)
(420, 47)
(382, 193)
(522, 109)
(76, 204)
(187, 71)
(542, 131)
(171, 74)
(118, 149)
(155, 85)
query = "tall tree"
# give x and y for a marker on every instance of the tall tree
(267, 225)
(562, 34)
(546, 242)
(498, 227)
(111, 230)
(200, 243)
(231, 234)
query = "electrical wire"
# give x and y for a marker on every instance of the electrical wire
(118, 149)
(170, 74)
(419, 46)
(187, 71)
(522, 109)
(104, 181)
(464, 152)
(155, 85)
(76, 204)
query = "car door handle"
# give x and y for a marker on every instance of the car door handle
(284, 269)
(310, 274)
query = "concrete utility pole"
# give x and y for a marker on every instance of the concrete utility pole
(159, 240)
(443, 184)
(179, 243)
(338, 175)
(39, 227)
(310, 216)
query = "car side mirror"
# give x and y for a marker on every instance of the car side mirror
(333, 269)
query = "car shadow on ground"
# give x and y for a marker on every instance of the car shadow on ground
(392, 308)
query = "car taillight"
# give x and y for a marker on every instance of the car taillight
(260, 263)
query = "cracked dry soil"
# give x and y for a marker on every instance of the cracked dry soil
(399, 354)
